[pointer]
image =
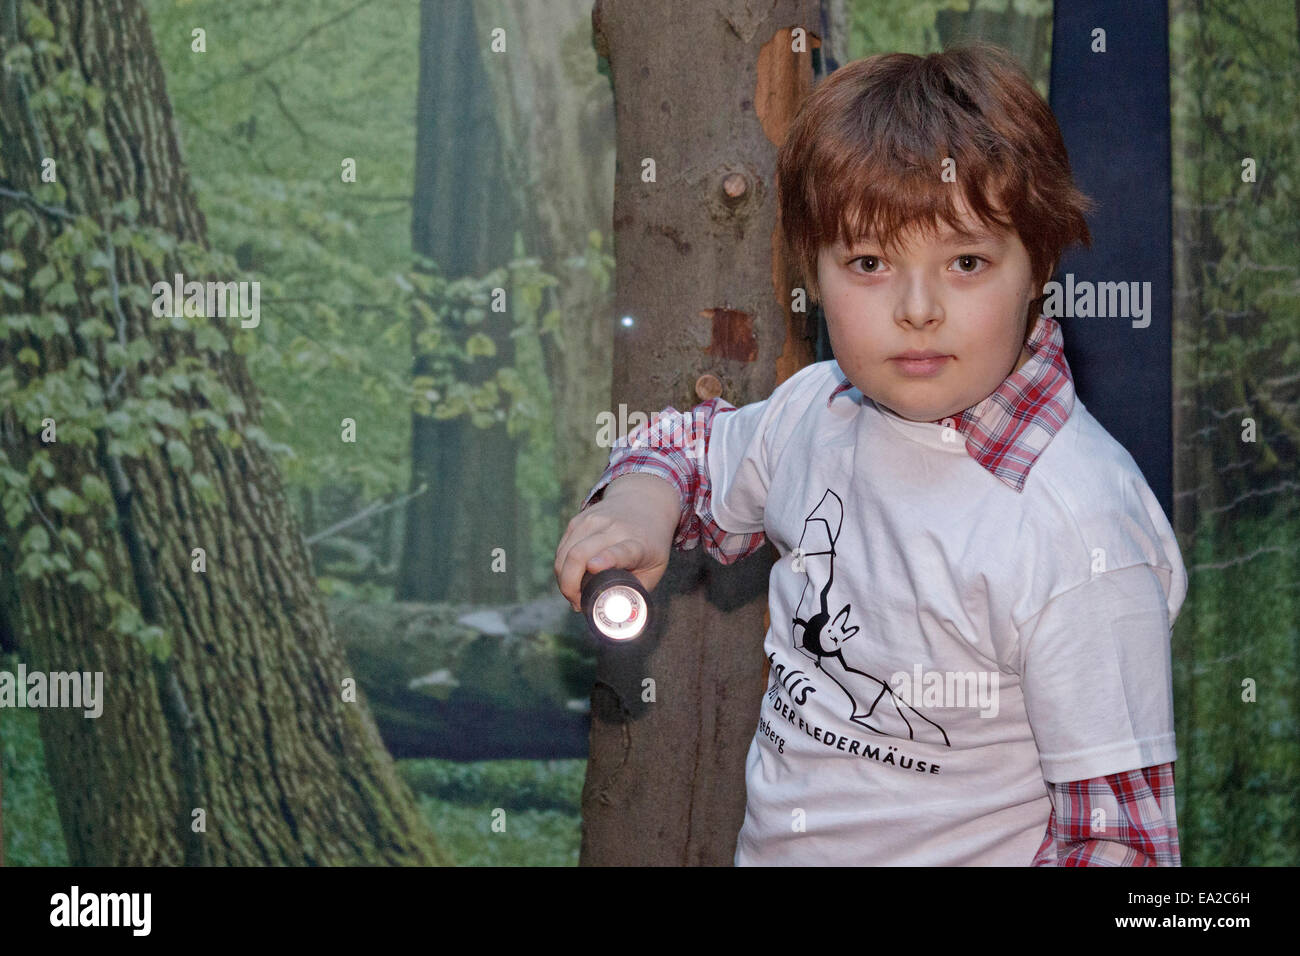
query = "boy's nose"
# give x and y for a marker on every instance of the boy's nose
(919, 305)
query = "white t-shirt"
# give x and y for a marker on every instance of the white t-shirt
(962, 645)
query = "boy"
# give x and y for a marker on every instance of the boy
(970, 619)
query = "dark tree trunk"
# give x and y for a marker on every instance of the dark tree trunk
(665, 779)
(245, 719)
(463, 223)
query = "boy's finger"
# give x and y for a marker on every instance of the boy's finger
(575, 532)
(567, 541)
(620, 554)
(574, 563)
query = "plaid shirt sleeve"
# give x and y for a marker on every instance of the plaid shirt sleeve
(674, 446)
(1137, 825)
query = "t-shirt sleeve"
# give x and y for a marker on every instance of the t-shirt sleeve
(743, 448)
(672, 446)
(1096, 676)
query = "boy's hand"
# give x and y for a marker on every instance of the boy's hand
(631, 526)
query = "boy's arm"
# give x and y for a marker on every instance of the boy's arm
(674, 446)
(1097, 681)
(1137, 827)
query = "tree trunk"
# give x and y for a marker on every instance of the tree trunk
(467, 227)
(245, 718)
(551, 101)
(665, 778)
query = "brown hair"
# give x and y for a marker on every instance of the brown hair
(864, 154)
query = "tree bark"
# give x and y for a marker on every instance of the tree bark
(697, 274)
(246, 715)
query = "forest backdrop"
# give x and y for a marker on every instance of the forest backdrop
(376, 299)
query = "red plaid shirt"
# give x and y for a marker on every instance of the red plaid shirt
(1005, 433)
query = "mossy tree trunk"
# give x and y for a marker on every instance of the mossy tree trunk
(245, 718)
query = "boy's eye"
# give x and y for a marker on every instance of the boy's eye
(871, 261)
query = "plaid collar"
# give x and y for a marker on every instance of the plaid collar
(1008, 430)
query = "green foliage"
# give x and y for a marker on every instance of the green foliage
(513, 784)
(33, 835)
(264, 137)
(1239, 767)
(530, 838)
(1235, 95)
(339, 290)
(541, 799)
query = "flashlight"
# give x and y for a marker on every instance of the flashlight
(615, 604)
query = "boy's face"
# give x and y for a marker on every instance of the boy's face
(966, 300)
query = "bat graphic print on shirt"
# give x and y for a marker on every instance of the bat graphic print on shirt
(826, 640)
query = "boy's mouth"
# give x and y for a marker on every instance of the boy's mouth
(917, 363)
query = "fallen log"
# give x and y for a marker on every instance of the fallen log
(463, 682)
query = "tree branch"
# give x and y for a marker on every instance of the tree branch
(374, 508)
(251, 68)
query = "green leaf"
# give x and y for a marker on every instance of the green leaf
(65, 293)
(480, 344)
(128, 208)
(28, 355)
(62, 499)
(38, 26)
(95, 489)
(93, 329)
(45, 277)
(179, 455)
(36, 539)
(118, 421)
(155, 641)
(34, 565)
(203, 488)
(86, 579)
(95, 561)
(96, 139)
(210, 338)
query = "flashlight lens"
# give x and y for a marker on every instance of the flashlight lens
(620, 614)
(618, 608)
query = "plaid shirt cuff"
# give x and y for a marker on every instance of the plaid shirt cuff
(1123, 819)
(674, 446)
